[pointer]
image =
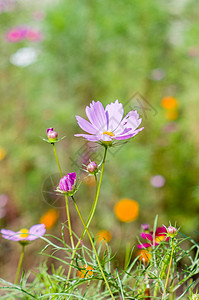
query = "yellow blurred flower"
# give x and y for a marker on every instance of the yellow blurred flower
(103, 235)
(171, 115)
(126, 210)
(2, 153)
(169, 103)
(49, 218)
(144, 255)
(86, 272)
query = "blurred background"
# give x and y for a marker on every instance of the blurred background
(58, 56)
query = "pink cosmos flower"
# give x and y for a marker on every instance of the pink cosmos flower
(24, 235)
(160, 235)
(108, 124)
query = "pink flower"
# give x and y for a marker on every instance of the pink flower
(108, 124)
(33, 35)
(22, 33)
(160, 235)
(24, 235)
(15, 35)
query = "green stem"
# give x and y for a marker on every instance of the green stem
(60, 171)
(19, 265)
(165, 287)
(93, 246)
(66, 200)
(91, 214)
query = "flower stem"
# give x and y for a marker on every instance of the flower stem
(60, 171)
(66, 199)
(19, 265)
(93, 208)
(93, 246)
(165, 287)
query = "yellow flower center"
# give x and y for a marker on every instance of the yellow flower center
(108, 133)
(160, 238)
(23, 233)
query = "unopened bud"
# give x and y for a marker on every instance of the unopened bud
(52, 135)
(92, 167)
(172, 231)
(145, 227)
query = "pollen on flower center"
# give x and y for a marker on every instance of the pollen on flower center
(108, 133)
(160, 238)
(24, 233)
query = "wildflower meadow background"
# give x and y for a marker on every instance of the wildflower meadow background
(56, 58)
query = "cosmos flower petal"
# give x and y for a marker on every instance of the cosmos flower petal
(91, 138)
(129, 135)
(131, 120)
(97, 116)
(36, 231)
(160, 230)
(144, 245)
(85, 125)
(10, 235)
(115, 113)
(147, 236)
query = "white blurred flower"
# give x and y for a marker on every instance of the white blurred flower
(157, 74)
(24, 57)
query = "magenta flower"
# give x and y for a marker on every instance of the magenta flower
(24, 235)
(108, 124)
(67, 184)
(160, 235)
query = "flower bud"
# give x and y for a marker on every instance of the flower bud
(52, 135)
(92, 167)
(145, 227)
(67, 184)
(172, 231)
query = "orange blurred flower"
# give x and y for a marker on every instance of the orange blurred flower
(86, 272)
(171, 115)
(89, 180)
(144, 255)
(169, 103)
(126, 210)
(49, 218)
(103, 235)
(2, 153)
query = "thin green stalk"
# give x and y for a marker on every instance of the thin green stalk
(165, 287)
(19, 265)
(66, 200)
(92, 211)
(60, 171)
(93, 246)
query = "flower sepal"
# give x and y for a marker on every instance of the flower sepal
(50, 141)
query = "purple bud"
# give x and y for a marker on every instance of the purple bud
(67, 183)
(52, 135)
(172, 231)
(92, 167)
(145, 227)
